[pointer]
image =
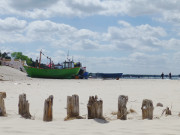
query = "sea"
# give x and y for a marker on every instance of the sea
(138, 76)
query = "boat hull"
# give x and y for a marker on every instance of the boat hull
(52, 73)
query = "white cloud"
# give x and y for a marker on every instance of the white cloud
(85, 44)
(141, 31)
(31, 4)
(124, 23)
(166, 10)
(12, 24)
(6, 49)
(171, 44)
(137, 63)
(142, 37)
(62, 35)
(12, 29)
(85, 7)
(170, 16)
(127, 37)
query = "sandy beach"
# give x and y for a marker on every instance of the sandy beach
(37, 90)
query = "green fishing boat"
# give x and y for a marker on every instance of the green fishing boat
(66, 73)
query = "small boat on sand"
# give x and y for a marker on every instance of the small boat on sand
(67, 70)
(66, 73)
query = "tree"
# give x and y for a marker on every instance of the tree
(19, 55)
(5, 55)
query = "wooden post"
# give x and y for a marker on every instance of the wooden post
(24, 106)
(168, 111)
(147, 109)
(72, 106)
(48, 112)
(95, 108)
(122, 109)
(2, 106)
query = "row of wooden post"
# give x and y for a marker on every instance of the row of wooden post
(94, 107)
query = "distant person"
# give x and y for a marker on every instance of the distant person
(170, 77)
(162, 75)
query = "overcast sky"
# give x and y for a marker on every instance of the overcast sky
(129, 36)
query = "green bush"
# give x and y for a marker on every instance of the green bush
(19, 55)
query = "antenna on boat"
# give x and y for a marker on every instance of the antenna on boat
(40, 58)
(68, 55)
(50, 63)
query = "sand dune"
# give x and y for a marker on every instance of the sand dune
(37, 90)
(12, 74)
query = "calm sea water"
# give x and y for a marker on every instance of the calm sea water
(136, 76)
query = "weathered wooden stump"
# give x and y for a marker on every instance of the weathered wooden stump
(95, 108)
(168, 111)
(147, 109)
(3, 94)
(73, 106)
(2, 106)
(122, 109)
(24, 106)
(48, 112)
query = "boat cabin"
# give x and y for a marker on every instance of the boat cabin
(68, 64)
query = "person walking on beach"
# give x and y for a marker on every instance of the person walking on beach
(162, 75)
(170, 75)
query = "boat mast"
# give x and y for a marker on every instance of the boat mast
(40, 58)
(68, 55)
(50, 63)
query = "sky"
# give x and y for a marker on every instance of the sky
(124, 36)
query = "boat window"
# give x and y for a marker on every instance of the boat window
(72, 65)
(68, 65)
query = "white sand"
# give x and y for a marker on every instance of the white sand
(37, 90)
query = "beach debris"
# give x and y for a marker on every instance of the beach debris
(24, 106)
(159, 104)
(167, 111)
(17, 83)
(147, 109)
(131, 111)
(73, 107)
(48, 110)
(2, 106)
(114, 113)
(95, 108)
(122, 109)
